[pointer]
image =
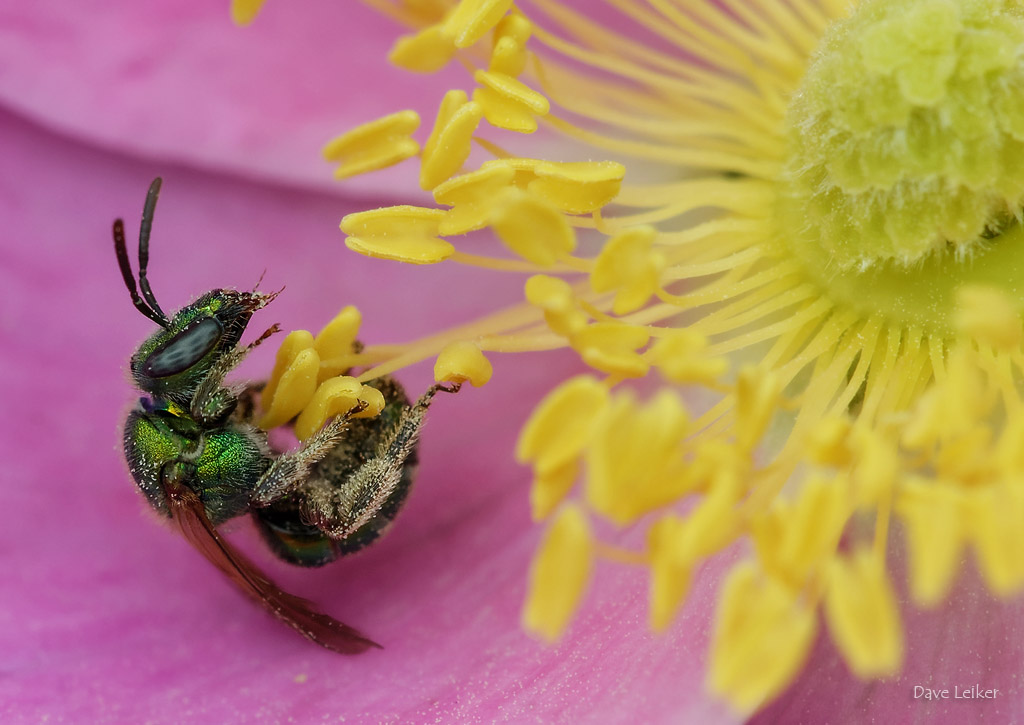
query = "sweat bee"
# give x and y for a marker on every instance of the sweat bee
(195, 452)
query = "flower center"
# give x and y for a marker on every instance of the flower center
(905, 169)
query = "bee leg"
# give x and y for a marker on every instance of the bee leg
(291, 469)
(341, 511)
(212, 401)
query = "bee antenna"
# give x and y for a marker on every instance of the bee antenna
(129, 279)
(260, 280)
(144, 229)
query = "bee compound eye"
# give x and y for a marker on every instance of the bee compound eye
(185, 349)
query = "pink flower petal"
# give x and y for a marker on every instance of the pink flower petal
(175, 79)
(108, 616)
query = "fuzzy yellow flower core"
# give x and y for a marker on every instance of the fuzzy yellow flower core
(804, 225)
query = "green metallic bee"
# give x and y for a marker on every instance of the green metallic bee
(197, 456)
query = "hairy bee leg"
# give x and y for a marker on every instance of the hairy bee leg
(291, 469)
(212, 401)
(340, 512)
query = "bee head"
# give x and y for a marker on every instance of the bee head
(173, 361)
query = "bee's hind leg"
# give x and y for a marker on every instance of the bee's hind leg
(290, 470)
(376, 487)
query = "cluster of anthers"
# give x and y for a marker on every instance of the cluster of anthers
(824, 287)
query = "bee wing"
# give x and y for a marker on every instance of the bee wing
(301, 614)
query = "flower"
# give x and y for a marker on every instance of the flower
(108, 616)
(806, 213)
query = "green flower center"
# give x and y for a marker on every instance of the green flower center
(905, 173)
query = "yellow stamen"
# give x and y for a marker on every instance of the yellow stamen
(559, 575)
(244, 12)
(449, 144)
(627, 265)
(532, 228)
(763, 634)
(863, 616)
(551, 487)
(472, 196)
(507, 103)
(374, 145)
(562, 424)
(460, 362)
(424, 52)
(334, 343)
(401, 233)
(612, 348)
(293, 391)
(474, 18)
(635, 463)
(333, 397)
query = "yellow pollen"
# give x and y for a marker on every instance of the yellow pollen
(472, 197)
(244, 12)
(627, 265)
(507, 103)
(559, 575)
(374, 145)
(292, 390)
(473, 18)
(562, 424)
(863, 616)
(400, 233)
(334, 343)
(532, 228)
(424, 52)
(449, 144)
(634, 462)
(760, 620)
(460, 362)
(612, 348)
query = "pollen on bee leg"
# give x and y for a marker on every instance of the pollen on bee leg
(462, 361)
(401, 233)
(374, 145)
(559, 575)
